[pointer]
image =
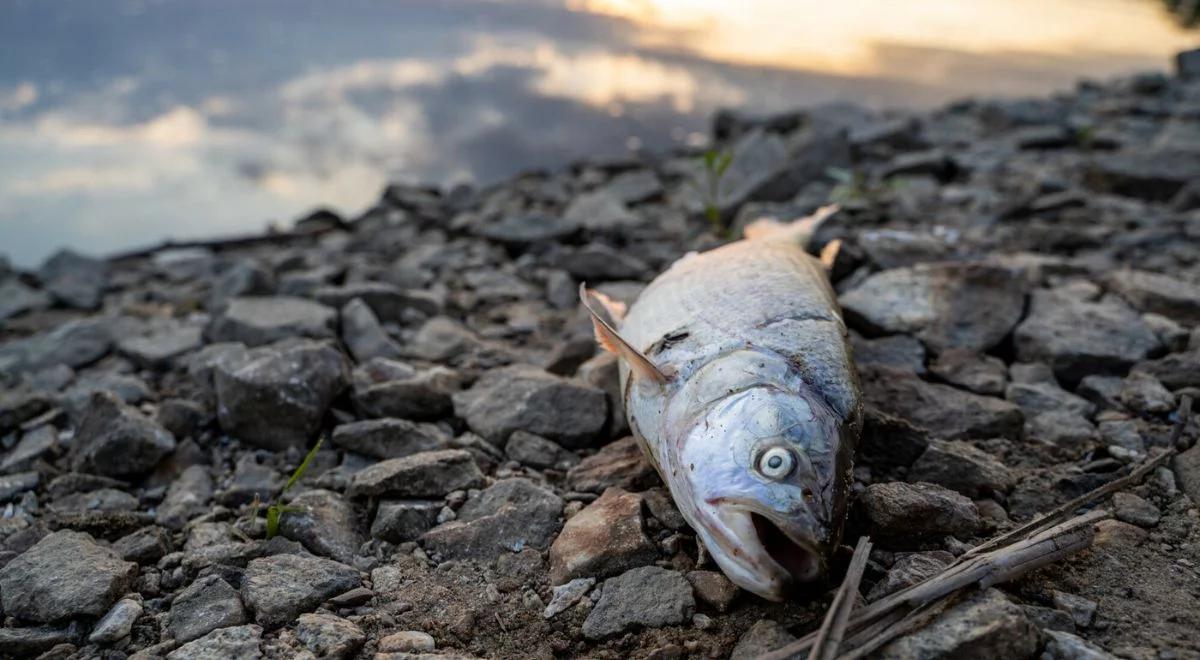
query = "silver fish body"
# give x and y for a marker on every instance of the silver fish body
(755, 423)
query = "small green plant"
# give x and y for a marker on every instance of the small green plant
(276, 508)
(715, 165)
(851, 185)
(1085, 136)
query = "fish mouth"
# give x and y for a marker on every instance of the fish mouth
(763, 554)
(798, 558)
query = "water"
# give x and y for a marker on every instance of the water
(124, 122)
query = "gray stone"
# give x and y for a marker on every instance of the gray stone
(947, 305)
(202, 365)
(19, 405)
(398, 521)
(905, 512)
(364, 334)
(1082, 610)
(713, 589)
(899, 352)
(329, 636)
(982, 374)
(538, 452)
(390, 438)
(1038, 398)
(277, 398)
(762, 638)
(644, 597)
(390, 303)
(12, 485)
(1078, 338)
(606, 538)
(160, 348)
(1062, 429)
(1187, 472)
(118, 441)
(1173, 336)
(509, 516)
(145, 546)
(600, 211)
(526, 229)
(1168, 295)
(251, 480)
(1150, 174)
(281, 587)
(241, 642)
(961, 467)
(35, 640)
(118, 623)
(597, 262)
(78, 397)
(1144, 394)
(428, 474)
(324, 523)
(105, 499)
(1104, 391)
(205, 605)
(66, 574)
(565, 595)
(36, 444)
(386, 388)
(621, 463)
(245, 277)
(74, 280)
(1187, 63)
(74, 343)
(909, 569)
(255, 321)
(634, 187)
(986, 626)
(1061, 645)
(188, 496)
(1175, 371)
(1048, 618)
(1135, 510)
(523, 398)
(16, 299)
(944, 411)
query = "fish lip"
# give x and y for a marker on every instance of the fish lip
(780, 576)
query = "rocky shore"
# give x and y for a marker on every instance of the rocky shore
(1022, 278)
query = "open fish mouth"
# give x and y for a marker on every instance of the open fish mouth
(798, 559)
(760, 554)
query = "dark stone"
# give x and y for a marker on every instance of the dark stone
(522, 398)
(115, 440)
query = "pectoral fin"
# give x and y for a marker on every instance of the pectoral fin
(611, 340)
(829, 253)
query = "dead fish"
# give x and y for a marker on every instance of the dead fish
(739, 384)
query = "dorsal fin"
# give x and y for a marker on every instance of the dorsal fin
(611, 340)
(799, 232)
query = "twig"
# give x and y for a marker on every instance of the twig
(833, 629)
(913, 621)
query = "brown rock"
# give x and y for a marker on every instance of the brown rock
(604, 539)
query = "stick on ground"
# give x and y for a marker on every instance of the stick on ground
(833, 628)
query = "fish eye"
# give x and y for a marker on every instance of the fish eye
(776, 463)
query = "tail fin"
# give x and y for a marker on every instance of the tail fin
(799, 232)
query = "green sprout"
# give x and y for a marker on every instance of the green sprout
(715, 165)
(277, 509)
(851, 185)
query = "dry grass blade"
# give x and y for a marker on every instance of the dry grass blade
(833, 628)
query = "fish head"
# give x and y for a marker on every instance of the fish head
(763, 474)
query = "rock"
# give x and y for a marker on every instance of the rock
(74, 280)
(944, 411)
(74, 344)
(397, 521)
(566, 595)
(606, 538)
(509, 516)
(522, 398)
(388, 302)
(33, 641)
(1134, 510)
(16, 299)
(621, 463)
(66, 574)
(445, 340)
(962, 468)
(982, 374)
(1104, 391)
(281, 587)
(116, 440)
(906, 512)
(762, 638)
(1123, 433)
(538, 452)
(251, 480)
(117, 624)
(1079, 338)
(634, 187)
(1175, 371)
(256, 321)
(1187, 64)
(428, 474)
(202, 366)
(1144, 394)
(245, 277)
(947, 305)
(159, 349)
(1041, 397)
(1187, 472)
(1167, 295)
(128, 389)
(390, 438)
(648, 596)
(205, 605)
(324, 523)
(713, 589)
(985, 625)
(1173, 336)
(526, 229)
(188, 497)
(364, 334)
(241, 642)
(1048, 618)
(105, 499)
(277, 398)
(1059, 428)
(14, 484)
(600, 211)
(898, 352)
(1152, 175)
(386, 388)
(19, 405)
(909, 569)
(407, 642)
(1061, 645)
(1114, 533)
(1082, 610)
(34, 445)
(145, 546)
(329, 636)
